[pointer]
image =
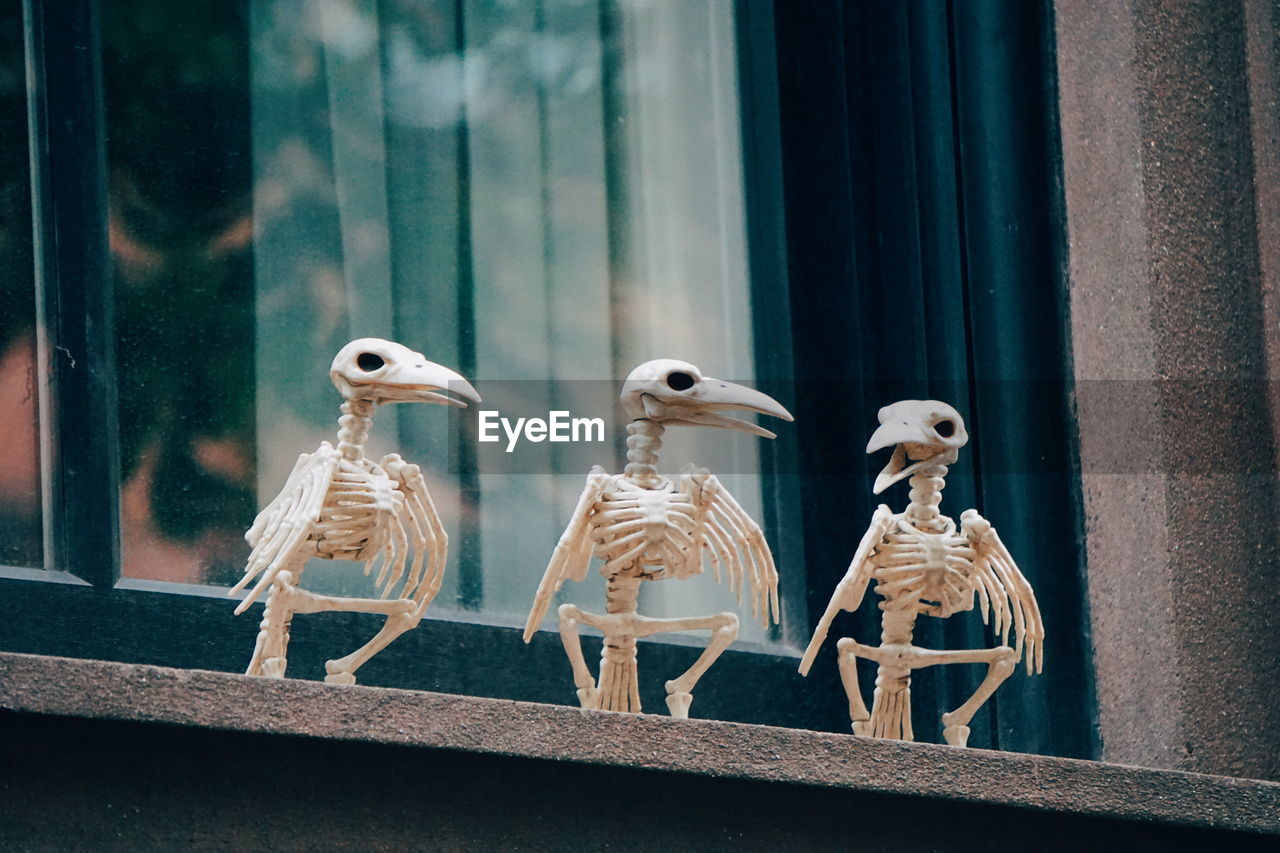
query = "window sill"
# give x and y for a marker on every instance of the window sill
(101, 690)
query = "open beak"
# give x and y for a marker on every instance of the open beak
(425, 382)
(899, 433)
(712, 396)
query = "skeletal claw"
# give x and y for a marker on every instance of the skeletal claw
(678, 705)
(589, 698)
(340, 678)
(273, 668)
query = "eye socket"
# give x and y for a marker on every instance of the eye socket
(679, 381)
(945, 428)
(369, 361)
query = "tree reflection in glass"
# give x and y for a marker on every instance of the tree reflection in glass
(180, 231)
(20, 489)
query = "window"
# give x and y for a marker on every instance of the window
(533, 192)
(498, 185)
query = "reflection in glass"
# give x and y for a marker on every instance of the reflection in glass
(176, 81)
(522, 191)
(21, 512)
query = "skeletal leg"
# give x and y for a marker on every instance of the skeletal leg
(401, 616)
(891, 706)
(342, 670)
(269, 651)
(570, 615)
(724, 630)
(858, 712)
(1000, 664)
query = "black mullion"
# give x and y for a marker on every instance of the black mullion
(620, 200)
(398, 322)
(470, 572)
(617, 187)
(70, 210)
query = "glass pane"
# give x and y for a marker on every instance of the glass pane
(180, 228)
(496, 184)
(21, 510)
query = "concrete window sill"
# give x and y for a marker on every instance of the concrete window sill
(99, 690)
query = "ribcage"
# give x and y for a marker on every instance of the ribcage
(931, 570)
(647, 528)
(361, 504)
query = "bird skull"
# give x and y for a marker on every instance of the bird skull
(387, 372)
(675, 393)
(926, 432)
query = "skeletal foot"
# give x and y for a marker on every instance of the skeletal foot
(589, 698)
(273, 668)
(678, 704)
(956, 735)
(340, 678)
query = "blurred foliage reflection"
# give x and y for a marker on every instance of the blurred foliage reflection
(180, 228)
(20, 505)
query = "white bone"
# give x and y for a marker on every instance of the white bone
(646, 527)
(337, 504)
(922, 566)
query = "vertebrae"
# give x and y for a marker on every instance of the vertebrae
(353, 428)
(926, 495)
(621, 594)
(644, 440)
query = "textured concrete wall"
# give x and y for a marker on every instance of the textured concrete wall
(1170, 327)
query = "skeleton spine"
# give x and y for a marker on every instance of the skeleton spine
(353, 428)
(644, 440)
(619, 687)
(891, 707)
(925, 495)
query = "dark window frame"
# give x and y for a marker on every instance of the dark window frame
(830, 91)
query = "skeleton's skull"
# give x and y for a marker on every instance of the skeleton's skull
(675, 393)
(926, 432)
(386, 372)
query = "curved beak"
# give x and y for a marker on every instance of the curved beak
(715, 395)
(423, 382)
(899, 433)
(896, 432)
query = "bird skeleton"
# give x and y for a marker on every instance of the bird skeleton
(337, 504)
(922, 565)
(649, 527)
